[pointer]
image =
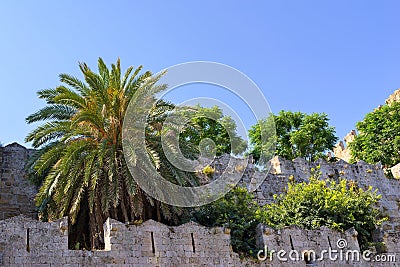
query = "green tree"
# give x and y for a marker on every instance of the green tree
(378, 138)
(80, 163)
(337, 205)
(297, 135)
(263, 138)
(202, 124)
(212, 124)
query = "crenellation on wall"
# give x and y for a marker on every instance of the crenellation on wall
(186, 245)
(342, 150)
(27, 241)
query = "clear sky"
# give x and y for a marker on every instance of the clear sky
(338, 57)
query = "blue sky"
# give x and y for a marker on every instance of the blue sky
(337, 57)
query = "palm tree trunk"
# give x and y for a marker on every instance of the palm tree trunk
(123, 207)
(78, 233)
(158, 211)
(96, 221)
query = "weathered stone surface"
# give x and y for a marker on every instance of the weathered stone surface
(393, 97)
(396, 171)
(342, 150)
(27, 241)
(155, 244)
(307, 244)
(16, 193)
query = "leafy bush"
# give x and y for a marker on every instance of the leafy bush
(236, 210)
(337, 205)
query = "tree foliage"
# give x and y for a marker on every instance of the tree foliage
(203, 124)
(297, 135)
(378, 138)
(212, 124)
(154, 128)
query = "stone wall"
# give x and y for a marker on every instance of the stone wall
(320, 247)
(186, 245)
(16, 193)
(303, 242)
(28, 242)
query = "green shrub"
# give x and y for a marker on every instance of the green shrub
(237, 211)
(337, 205)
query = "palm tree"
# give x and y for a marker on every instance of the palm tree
(80, 164)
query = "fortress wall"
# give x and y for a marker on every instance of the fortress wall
(319, 241)
(185, 245)
(28, 242)
(328, 247)
(16, 193)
